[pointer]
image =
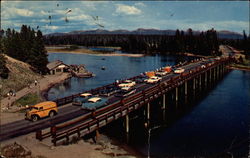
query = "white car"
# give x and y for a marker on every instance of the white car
(161, 73)
(153, 79)
(203, 66)
(127, 83)
(179, 70)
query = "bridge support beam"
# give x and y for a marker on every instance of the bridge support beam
(164, 101)
(221, 74)
(215, 74)
(194, 83)
(200, 82)
(127, 123)
(97, 134)
(148, 111)
(176, 94)
(205, 80)
(186, 90)
(210, 75)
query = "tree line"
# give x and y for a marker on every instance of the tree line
(204, 43)
(26, 45)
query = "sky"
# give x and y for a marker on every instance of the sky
(129, 15)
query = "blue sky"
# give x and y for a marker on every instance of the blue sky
(130, 15)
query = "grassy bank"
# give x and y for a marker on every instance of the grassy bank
(20, 76)
(29, 99)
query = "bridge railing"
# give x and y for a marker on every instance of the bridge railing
(105, 114)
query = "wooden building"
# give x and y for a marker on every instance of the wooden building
(57, 67)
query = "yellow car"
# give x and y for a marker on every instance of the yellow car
(41, 110)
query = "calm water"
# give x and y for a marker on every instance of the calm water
(117, 67)
(215, 125)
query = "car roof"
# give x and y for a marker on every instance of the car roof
(94, 99)
(44, 103)
(85, 94)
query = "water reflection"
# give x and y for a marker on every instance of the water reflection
(215, 125)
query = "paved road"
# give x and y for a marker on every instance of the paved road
(70, 112)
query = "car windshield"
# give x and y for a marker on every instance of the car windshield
(34, 108)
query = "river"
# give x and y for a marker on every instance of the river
(217, 124)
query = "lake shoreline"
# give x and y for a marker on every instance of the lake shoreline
(92, 52)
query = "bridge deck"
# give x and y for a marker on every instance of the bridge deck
(73, 119)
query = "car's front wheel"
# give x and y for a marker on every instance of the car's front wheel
(34, 118)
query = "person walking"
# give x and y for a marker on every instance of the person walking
(36, 82)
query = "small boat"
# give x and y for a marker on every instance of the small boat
(103, 68)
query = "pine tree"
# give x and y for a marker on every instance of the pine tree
(40, 59)
(3, 69)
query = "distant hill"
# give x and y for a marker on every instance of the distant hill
(221, 34)
(20, 75)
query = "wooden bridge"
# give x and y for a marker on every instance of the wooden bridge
(197, 75)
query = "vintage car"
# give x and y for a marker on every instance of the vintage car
(161, 73)
(109, 90)
(94, 103)
(179, 70)
(153, 79)
(125, 93)
(127, 83)
(141, 79)
(40, 110)
(81, 99)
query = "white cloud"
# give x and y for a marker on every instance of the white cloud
(78, 17)
(51, 27)
(13, 12)
(24, 12)
(126, 9)
(140, 4)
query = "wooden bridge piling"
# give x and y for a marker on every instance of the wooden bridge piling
(127, 123)
(176, 94)
(164, 101)
(148, 111)
(186, 88)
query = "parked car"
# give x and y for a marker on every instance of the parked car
(179, 70)
(127, 83)
(153, 79)
(94, 103)
(203, 66)
(161, 73)
(43, 109)
(125, 93)
(108, 91)
(141, 79)
(81, 99)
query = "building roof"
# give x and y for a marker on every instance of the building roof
(54, 64)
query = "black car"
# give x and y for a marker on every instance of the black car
(125, 93)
